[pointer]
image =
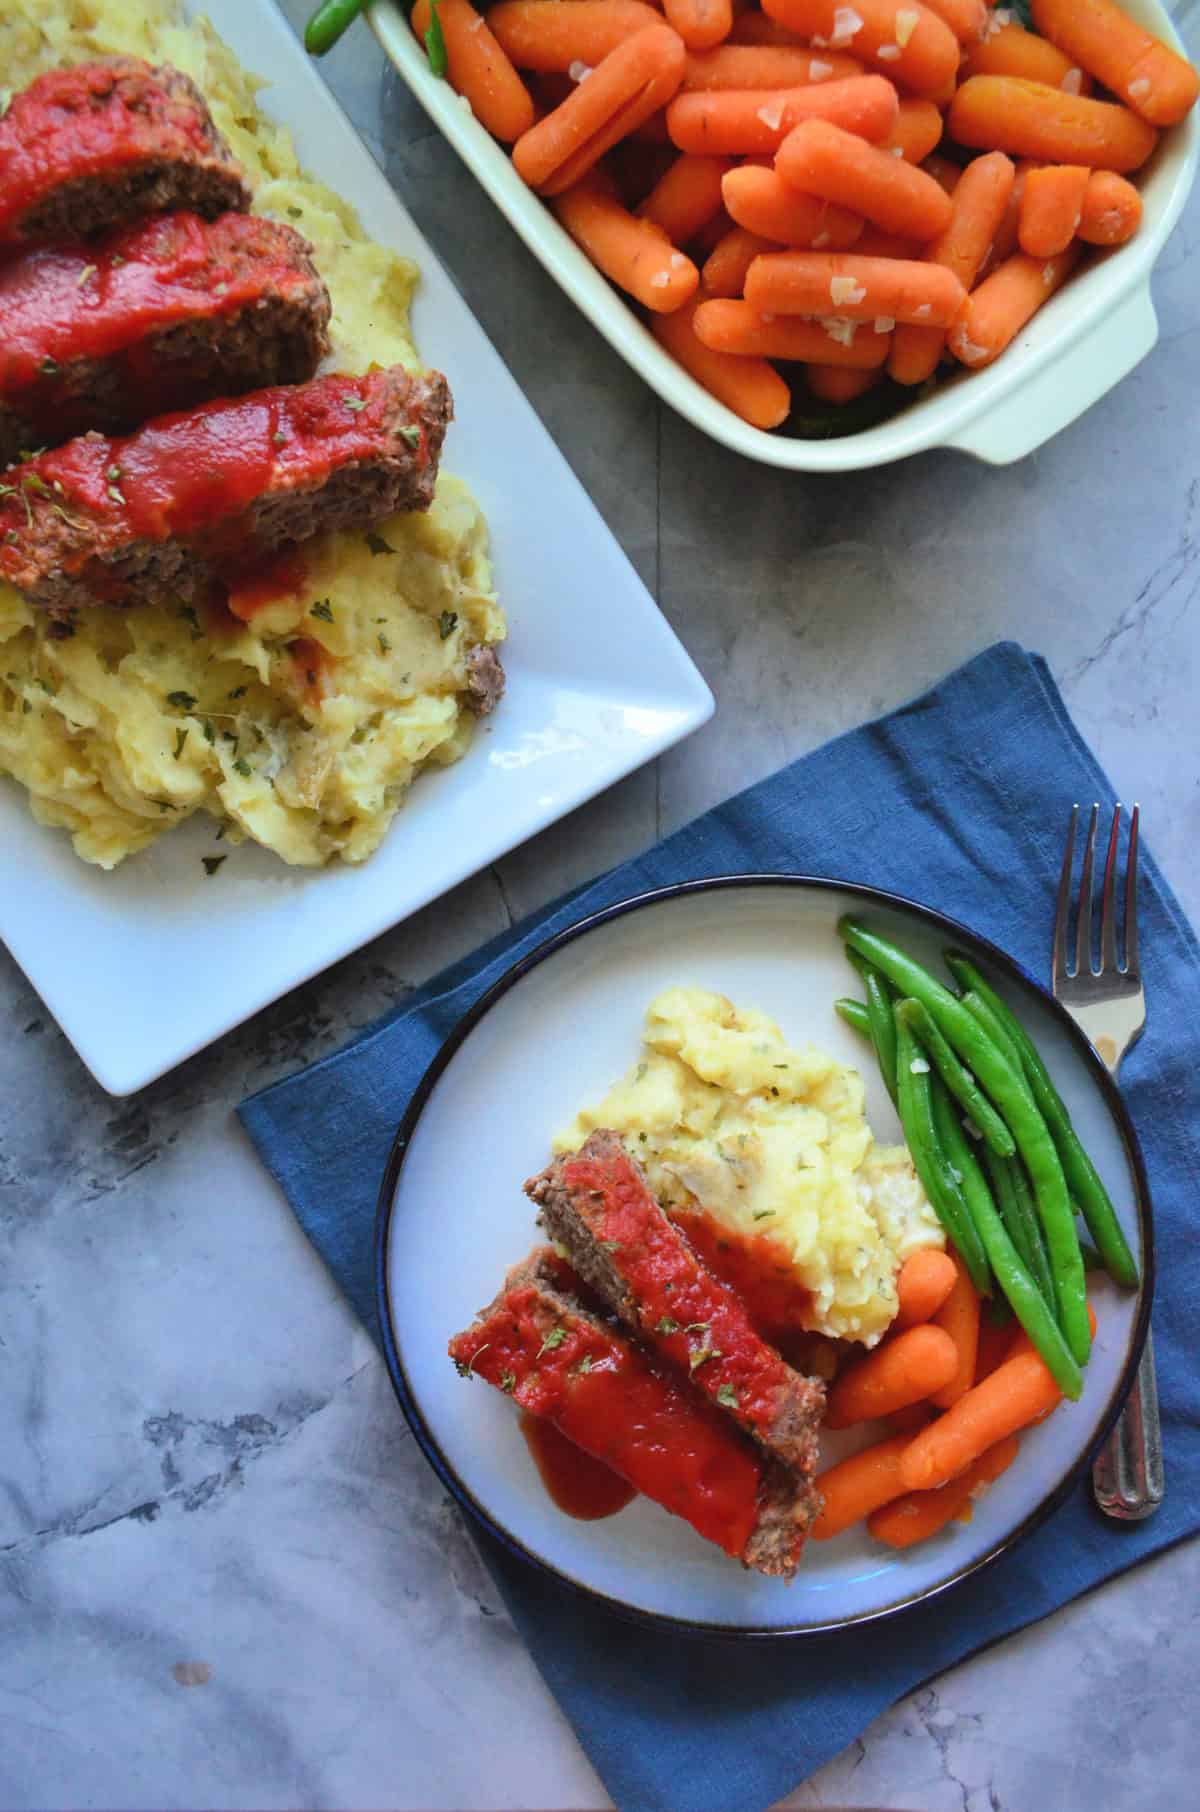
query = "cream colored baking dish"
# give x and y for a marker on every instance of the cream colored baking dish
(1086, 339)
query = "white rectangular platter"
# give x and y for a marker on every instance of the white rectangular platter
(145, 966)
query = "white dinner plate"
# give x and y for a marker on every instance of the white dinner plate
(555, 1033)
(146, 965)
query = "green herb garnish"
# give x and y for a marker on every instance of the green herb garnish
(323, 609)
(183, 700)
(354, 402)
(212, 863)
(410, 434)
(385, 647)
(701, 1356)
(378, 545)
(435, 43)
(242, 766)
(762, 1214)
(447, 623)
(181, 737)
(554, 1338)
(508, 1382)
(728, 1396)
(665, 1325)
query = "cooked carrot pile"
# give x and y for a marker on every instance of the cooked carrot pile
(906, 181)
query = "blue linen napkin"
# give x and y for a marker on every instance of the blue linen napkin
(958, 799)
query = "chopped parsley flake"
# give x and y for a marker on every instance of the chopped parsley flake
(242, 766)
(701, 1356)
(728, 1396)
(411, 435)
(49, 368)
(183, 700)
(354, 402)
(696, 1327)
(554, 1338)
(610, 1245)
(378, 545)
(665, 1325)
(181, 737)
(238, 692)
(762, 1214)
(447, 623)
(212, 863)
(323, 609)
(585, 1364)
(210, 735)
(508, 1382)
(385, 647)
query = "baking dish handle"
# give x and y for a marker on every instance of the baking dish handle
(1036, 411)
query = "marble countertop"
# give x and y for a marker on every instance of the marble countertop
(227, 1577)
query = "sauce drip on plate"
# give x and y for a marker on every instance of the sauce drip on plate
(579, 1485)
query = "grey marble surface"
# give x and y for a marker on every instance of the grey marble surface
(227, 1579)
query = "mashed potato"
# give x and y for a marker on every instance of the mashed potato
(304, 728)
(769, 1144)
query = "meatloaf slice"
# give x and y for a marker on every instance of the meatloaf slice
(88, 147)
(192, 500)
(596, 1204)
(540, 1344)
(159, 316)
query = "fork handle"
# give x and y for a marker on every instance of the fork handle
(1127, 1474)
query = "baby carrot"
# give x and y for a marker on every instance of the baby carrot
(732, 326)
(958, 1317)
(873, 242)
(907, 42)
(919, 1514)
(700, 23)
(978, 204)
(763, 203)
(821, 159)
(479, 69)
(1051, 208)
(749, 386)
(761, 66)
(686, 197)
(854, 288)
(1029, 119)
(918, 128)
(967, 19)
(738, 121)
(636, 254)
(756, 28)
(926, 1279)
(839, 384)
(545, 35)
(994, 314)
(855, 1487)
(631, 83)
(1018, 1392)
(724, 270)
(908, 1368)
(1105, 41)
(1011, 50)
(1112, 210)
(996, 1344)
(943, 170)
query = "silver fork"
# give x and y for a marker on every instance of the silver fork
(1109, 1005)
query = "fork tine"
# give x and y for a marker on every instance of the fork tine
(1083, 929)
(1131, 930)
(1108, 921)
(1062, 910)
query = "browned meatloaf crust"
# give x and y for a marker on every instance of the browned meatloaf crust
(192, 501)
(87, 147)
(541, 1344)
(159, 316)
(597, 1206)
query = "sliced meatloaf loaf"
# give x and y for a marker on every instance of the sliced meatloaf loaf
(596, 1204)
(194, 499)
(87, 147)
(540, 1344)
(159, 316)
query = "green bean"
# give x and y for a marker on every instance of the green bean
(978, 1007)
(1033, 1312)
(1092, 1260)
(328, 23)
(1082, 1178)
(1008, 1091)
(854, 1014)
(915, 1105)
(1020, 1217)
(883, 1024)
(958, 1080)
